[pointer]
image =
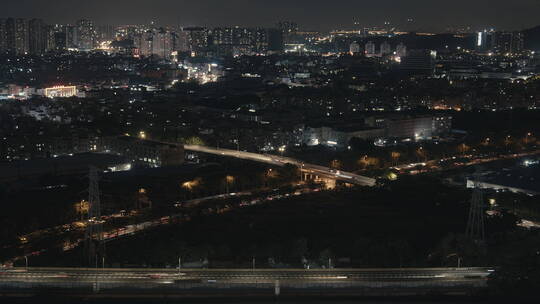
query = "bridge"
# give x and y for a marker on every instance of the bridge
(307, 169)
(241, 282)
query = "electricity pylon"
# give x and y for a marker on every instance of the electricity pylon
(475, 224)
(94, 247)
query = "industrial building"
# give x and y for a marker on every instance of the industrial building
(145, 152)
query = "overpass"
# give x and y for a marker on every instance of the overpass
(306, 168)
(242, 282)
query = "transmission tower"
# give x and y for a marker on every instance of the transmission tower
(94, 246)
(475, 224)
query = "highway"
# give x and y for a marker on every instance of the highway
(208, 281)
(317, 170)
(248, 275)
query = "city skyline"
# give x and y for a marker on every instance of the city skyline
(316, 15)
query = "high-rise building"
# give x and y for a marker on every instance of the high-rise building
(238, 40)
(20, 36)
(144, 43)
(386, 48)
(105, 33)
(289, 30)
(401, 50)
(181, 41)
(38, 37)
(86, 34)
(508, 42)
(260, 40)
(159, 42)
(275, 41)
(370, 49)
(354, 48)
(16, 36)
(60, 42)
(3, 36)
(223, 36)
(242, 36)
(162, 43)
(72, 40)
(198, 39)
(485, 40)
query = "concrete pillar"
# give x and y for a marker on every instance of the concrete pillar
(277, 288)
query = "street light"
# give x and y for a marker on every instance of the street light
(421, 153)
(527, 138)
(229, 180)
(179, 264)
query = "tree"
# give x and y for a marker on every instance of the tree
(326, 256)
(518, 273)
(194, 140)
(289, 174)
(369, 162)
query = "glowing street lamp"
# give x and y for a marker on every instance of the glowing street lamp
(229, 180)
(529, 135)
(421, 152)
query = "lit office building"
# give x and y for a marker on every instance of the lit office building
(61, 92)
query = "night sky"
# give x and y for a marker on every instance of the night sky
(314, 14)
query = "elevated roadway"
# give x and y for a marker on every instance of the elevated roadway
(317, 170)
(241, 282)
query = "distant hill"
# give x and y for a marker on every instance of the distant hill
(532, 38)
